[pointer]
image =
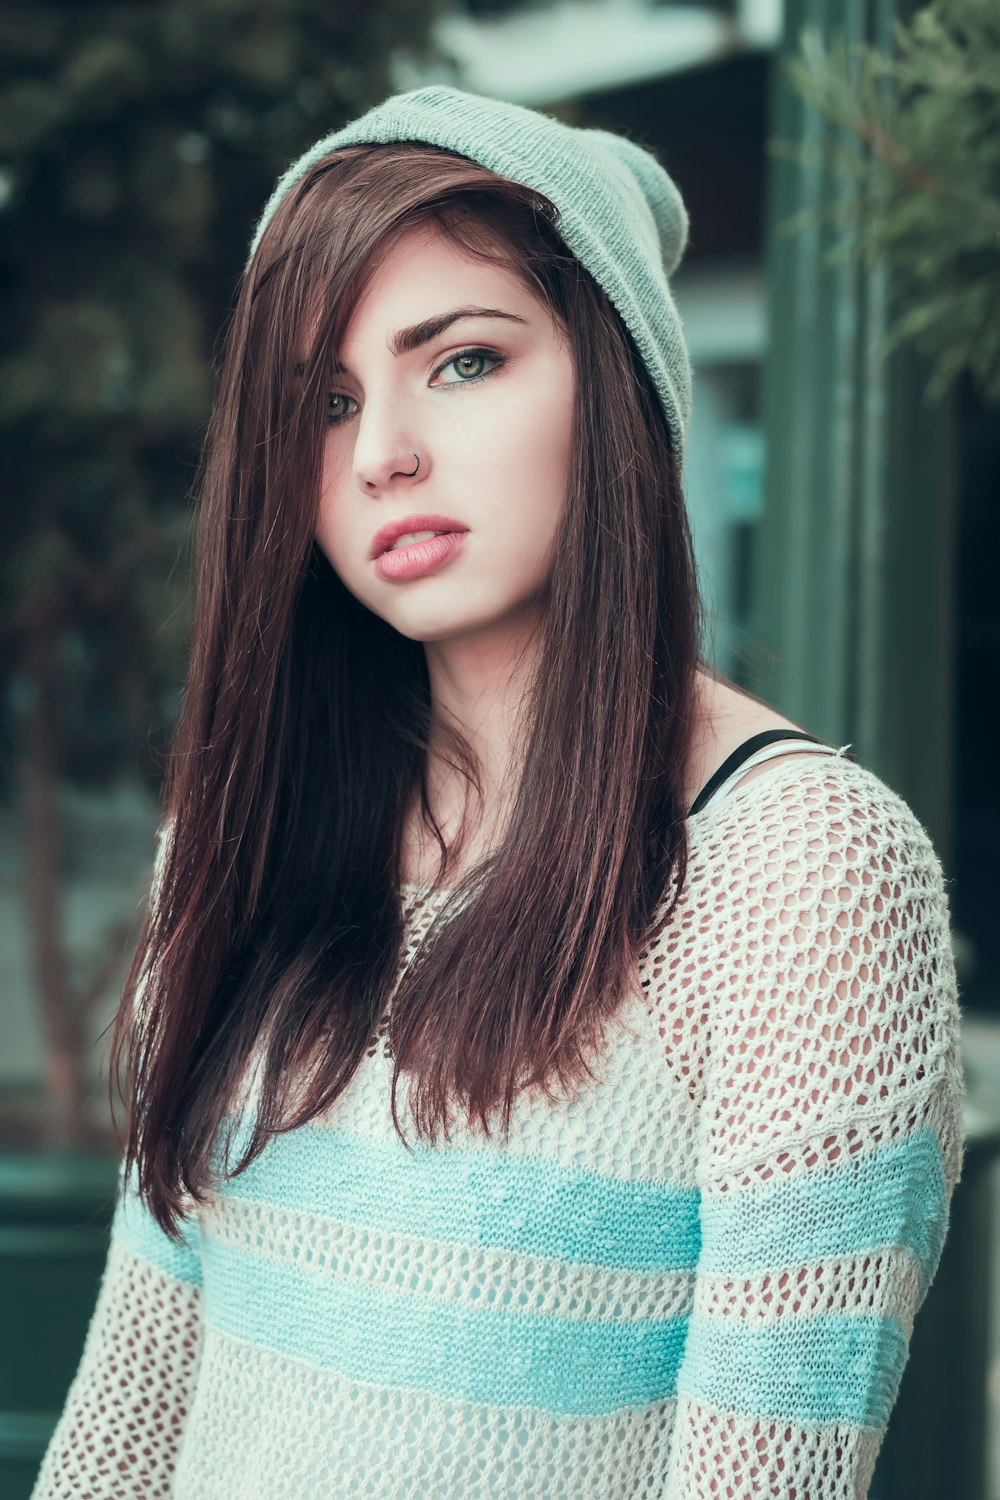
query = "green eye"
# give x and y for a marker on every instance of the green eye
(467, 359)
(335, 412)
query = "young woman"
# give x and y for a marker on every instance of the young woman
(542, 1059)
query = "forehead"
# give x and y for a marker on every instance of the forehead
(418, 278)
(424, 271)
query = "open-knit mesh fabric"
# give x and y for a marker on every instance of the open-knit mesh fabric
(695, 1281)
(125, 1412)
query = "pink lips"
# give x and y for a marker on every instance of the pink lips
(387, 534)
(419, 557)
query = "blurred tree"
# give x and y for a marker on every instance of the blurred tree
(920, 168)
(138, 143)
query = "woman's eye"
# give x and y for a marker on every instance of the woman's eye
(335, 412)
(469, 363)
(468, 366)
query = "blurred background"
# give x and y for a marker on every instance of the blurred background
(840, 160)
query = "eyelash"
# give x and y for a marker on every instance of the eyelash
(499, 360)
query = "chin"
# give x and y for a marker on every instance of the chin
(436, 625)
(429, 634)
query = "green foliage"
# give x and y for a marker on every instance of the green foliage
(918, 160)
(139, 140)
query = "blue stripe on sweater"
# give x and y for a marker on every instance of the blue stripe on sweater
(895, 1195)
(134, 1226)
(803, 1370)
(478, 1197)
(561, 1365)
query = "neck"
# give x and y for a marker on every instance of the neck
(480, 685)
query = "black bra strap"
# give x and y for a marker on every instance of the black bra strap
(743, 752)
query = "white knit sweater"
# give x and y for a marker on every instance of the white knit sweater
(697, 1280)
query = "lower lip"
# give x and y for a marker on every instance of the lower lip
(419, 557)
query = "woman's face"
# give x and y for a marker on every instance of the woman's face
(486, 402)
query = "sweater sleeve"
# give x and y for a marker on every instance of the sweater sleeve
(830, 1142)
(123, 1421)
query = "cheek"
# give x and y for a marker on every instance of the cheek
(330, 510)
(544, 458)
(537, 489)
(330, 478)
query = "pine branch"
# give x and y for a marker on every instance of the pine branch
(916, 156)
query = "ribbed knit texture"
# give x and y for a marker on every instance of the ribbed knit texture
(620, 213)
(697, 1280)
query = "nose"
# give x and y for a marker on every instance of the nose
(374, 469)
(388, 472)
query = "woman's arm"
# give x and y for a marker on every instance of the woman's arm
(123, 1422)
(829, 1147)
(125, 1413)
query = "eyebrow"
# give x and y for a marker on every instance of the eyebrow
(406, 340)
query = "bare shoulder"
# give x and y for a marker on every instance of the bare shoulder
(727, 717)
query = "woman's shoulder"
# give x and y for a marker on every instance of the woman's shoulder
(814, 852)
(798, 786)
(725, 719)
(808, 887)
(812, 804)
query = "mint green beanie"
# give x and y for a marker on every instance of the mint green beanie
(619, 212)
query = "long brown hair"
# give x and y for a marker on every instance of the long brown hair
(275, 929)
